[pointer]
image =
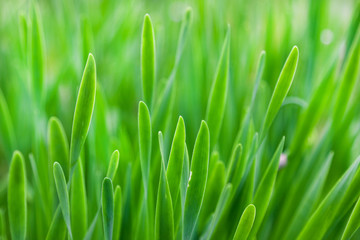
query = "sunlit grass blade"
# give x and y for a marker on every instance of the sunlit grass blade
(197, 180)
(63, 194)
(7, 137)
(176, 159)
(58, 145)
(217, 98)
(164, 216)
(107, 198)
(245, 224)
(57, 228)
(144, 125)
(117, 213)
(83, 109)
(281, 90)
(78, 203)
(353, 223)
(148, 60)
(265, 189)
(91, 229)
(113, 165)
(17, 206)
(339, 200)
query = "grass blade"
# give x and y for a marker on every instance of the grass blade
(197, 180)
(281, 89)
(265, 188)
(6, 127)
(117, 213)
(176, 159)
(63, 194)
(353, 223)
(164, 216)
(58, 145)
(107, 208)
(78, 202)
(245, 224)
(144, 124)
(148, 60)
(57, 228)
(83, 109)
(113, 165)
(17, 197)
(217, 98)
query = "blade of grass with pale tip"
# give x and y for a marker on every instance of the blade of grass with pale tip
(245, 224)
(353, 223)
(113, 165)
(107, 199)
(57, 228)
(338, 201)
(164, 216)
(117, 213)
(197, 181)
(220, 206)
(176, 159)
(281, 90)
(217, 98)
(7, 137)
(148, 60)
(144, 125)
(63, 194)
(78, 203)
(265, 188)
(83, 109)
(58, 145)
(17, 209)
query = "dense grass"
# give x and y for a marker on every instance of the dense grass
(179, 120)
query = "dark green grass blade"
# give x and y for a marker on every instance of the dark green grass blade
(107, 198)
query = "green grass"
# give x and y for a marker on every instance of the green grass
(208, 120)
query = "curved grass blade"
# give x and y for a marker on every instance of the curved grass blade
(144, 124)
(6, 127)
(337, 202)
(57, 230)
(217, 98)
(197, 180)
(17, 209)
(107, 208)
(78, 203)
(113, 165)
(176, 159)
(91, 229)
(164, 216)
(83, 110)
(117, 213)
(148, 60)
(245, 224)
(265, 188)
(63, 194)
(281, 90)
(58, 145)
(353, 223)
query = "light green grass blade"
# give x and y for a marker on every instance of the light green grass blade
(117, 213)
(340, 198)
(107, 198)
(281, 90)
(57, 230)
(217, 98)
(176, 159)
(83, 109)
(78, 203)
(58, 145)
(263, 193)
(63, 194)
(245, 224)
(17, 209)
(113, 165)
(164, 216)
(90, 231)
(148, 60)
(144, 125)
(6, 127)
(197, 180)
(353, 223)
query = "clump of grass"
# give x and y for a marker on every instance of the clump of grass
(125, 154)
